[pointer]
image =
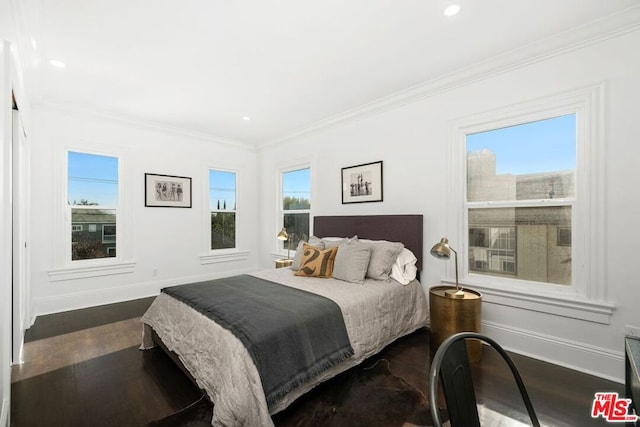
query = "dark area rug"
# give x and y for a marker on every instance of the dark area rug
(368, 395)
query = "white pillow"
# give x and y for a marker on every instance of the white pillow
(404, 270)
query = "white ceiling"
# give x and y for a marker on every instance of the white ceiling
(202, 65)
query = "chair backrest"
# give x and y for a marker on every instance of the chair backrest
(451, 365)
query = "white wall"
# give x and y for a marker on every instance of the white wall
(5, 234)
(411, 140)
(168, 240)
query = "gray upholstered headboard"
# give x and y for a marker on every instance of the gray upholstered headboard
(395, 228)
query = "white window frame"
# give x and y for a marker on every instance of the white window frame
(215, 256)
(64, 267)
(586, 297)
(281, 252)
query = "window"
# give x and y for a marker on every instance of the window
(520, 192)
(92, 199)
(296, 206)
(523, 180)
(222, 206)
(108, 233)
(564, 237)
(492, 249)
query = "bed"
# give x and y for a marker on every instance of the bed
(223, 363)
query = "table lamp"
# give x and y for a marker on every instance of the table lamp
(442, 250)
(282, 235)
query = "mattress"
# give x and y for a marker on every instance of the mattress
(375, 314)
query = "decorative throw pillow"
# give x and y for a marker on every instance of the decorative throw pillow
(316, 262)
(383, 255)
(320, 243)
(297, 257)
(330, 242)
(351, 262)
(315, 241)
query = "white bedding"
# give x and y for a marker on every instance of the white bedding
(375, 314)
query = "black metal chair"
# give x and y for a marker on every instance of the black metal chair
(451, 365)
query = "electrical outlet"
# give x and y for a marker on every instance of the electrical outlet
(632, 331)
(154, 272)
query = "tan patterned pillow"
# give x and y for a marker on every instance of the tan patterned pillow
(316, 262)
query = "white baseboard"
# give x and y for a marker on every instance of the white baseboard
(92, 298)
(67, 302)
(578, 356)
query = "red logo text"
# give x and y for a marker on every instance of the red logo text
(612, 408)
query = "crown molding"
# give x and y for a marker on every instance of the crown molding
(47, 105)
(615, 25)
(25, 55)
(23, 27)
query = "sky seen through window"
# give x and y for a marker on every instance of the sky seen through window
(540, 146)
(92, 178)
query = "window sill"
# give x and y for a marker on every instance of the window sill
(565, 305)
(91, 270)
(223, 256)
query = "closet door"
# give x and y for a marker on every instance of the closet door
(20, 186)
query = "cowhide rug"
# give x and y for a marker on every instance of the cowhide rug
(368, 395)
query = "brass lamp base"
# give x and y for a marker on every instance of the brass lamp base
(454, 293)
(284, 263)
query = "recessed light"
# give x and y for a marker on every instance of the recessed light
(57, 63)
(452, 10)
(246, 118)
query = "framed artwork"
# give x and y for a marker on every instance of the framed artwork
(362, 183)
(167, 191)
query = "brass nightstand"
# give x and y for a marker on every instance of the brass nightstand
(283, 263)
(452, 315)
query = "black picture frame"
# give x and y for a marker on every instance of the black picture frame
(167, 191)
(362, 183)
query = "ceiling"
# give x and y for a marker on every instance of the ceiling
(202, 66)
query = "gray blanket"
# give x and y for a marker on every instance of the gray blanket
(291, 335)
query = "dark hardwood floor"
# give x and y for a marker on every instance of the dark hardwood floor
(84, 368)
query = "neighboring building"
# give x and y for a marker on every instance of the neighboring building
(93, 234)
(524, 243)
